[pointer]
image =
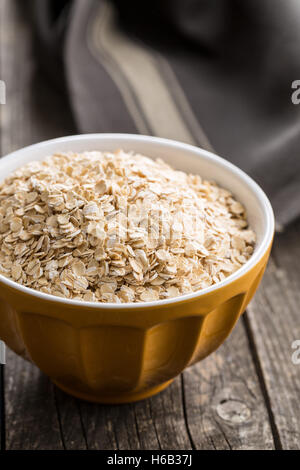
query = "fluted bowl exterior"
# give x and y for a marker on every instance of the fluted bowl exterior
(109, 353)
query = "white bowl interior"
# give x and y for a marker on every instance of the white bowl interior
(182, 157)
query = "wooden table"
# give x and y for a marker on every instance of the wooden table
(244, 396)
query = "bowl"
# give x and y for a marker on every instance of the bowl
(112, 353)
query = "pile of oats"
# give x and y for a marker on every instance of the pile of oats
(118, 227)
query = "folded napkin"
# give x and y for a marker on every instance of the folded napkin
(214, 73)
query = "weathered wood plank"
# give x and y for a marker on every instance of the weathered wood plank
(70, 421)
(275, 323)
(2, 410)
(224, 402)
(157, 423)
(31, 416)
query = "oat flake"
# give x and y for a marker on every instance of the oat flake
(118, 227)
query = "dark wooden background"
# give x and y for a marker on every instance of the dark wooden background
(244, 396)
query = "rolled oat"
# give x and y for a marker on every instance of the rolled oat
(118, 227)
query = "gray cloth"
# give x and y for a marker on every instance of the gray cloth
(214, 73)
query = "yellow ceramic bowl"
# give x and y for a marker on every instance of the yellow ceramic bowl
(120, 353)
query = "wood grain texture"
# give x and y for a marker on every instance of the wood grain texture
(157, 423)
(224, 402)
(32, 421)
(274, 323)
(245, 395)
(68, 412)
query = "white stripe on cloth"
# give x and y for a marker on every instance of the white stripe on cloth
(139, 67)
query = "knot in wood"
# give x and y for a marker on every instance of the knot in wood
(233, 410)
